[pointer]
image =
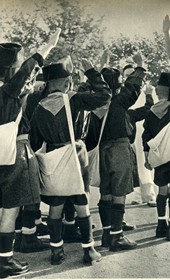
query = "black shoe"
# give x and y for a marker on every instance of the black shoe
(57, 255)
(71, 234)
(119, 242)
(151, 203)
(161, 229)
(126, 226)
(105, 242)
(91, 256)
(31, 243)
(10, 267)
(42, 229)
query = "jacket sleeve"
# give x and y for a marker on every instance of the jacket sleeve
(132, 88)
(140, 113)
(16, 83)
(146, 135)
(36, 139)
(95, 95)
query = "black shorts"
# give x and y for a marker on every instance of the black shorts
(162, 174)
(116, 168)
(59, 200)
(19, 183)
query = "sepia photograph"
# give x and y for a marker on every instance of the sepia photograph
(84, 139)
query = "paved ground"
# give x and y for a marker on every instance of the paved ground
(149, 260)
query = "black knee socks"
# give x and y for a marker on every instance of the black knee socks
(55, 228)
(105, 213)
(117, 213)
(161, 205)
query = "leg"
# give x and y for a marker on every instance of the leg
(9, 265)
(161, 200)
(8, 219)
(84, 221)
(29, 241)
(55, 227)
(41, 228)
(18, 231)
(126, 226)
(168, 229)
(105, 217)
(70, 231)
(118, 241)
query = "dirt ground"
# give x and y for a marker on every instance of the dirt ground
(149, 260)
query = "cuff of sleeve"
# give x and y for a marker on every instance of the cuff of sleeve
(140, 68)
(39, 59)
(90, 72)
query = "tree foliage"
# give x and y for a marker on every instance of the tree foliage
(81, 36)
(153, 51)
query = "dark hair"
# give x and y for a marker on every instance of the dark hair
(111, 77)
(164, 79)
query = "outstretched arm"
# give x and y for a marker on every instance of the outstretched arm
(166, 30)
(17, 82)
(96, 94)
(44, 50)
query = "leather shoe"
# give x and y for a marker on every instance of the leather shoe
(120, 242)
(57, 255)
(10, 267)
(152, 203)
(126, 226)
(161, 229)
(91, 256)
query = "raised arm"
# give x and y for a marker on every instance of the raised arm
(166, 30)
(97, 93)
(133, 84)
(17, 82)
(45, 50)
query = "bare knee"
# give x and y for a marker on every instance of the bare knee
(8, 219)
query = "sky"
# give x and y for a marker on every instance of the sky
(130, 17)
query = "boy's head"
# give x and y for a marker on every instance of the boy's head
(163, 86)
(58, 75)
(111, 77)
(11, 58)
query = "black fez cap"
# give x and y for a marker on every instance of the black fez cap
(164, 79)
(11, 54)
(62, 69)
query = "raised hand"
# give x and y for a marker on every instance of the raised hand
(137, 58)
(166, 29)
(166, 24)
(54, 38)
(44, 50)
(148, 89)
